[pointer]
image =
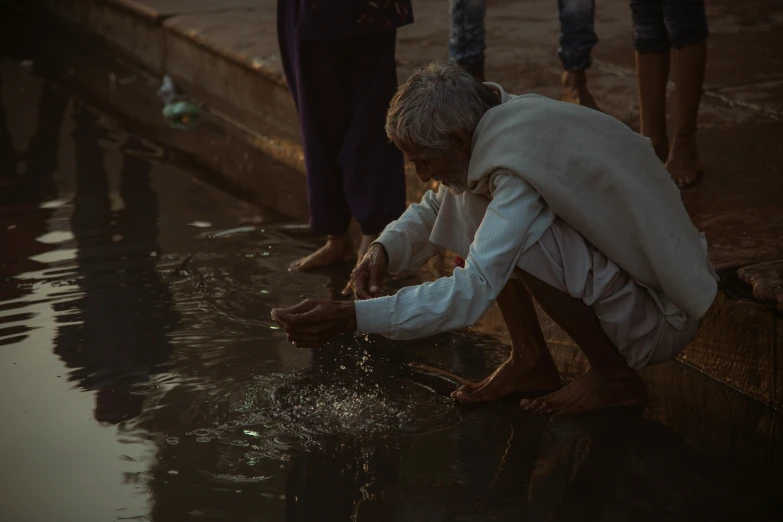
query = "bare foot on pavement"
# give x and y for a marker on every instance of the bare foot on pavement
(591, 392)
(338, 249)
(516, 375)
(575, 90)
(683, 164)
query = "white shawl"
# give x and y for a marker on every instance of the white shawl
(605, 181)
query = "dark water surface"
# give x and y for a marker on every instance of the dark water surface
(142, 378)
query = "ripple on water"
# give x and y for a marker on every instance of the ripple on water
(347, 406)
(282, 413)
(238, 479)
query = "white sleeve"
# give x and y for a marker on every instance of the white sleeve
(460, 300)
(407, 240)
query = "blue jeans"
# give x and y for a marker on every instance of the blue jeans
(659, 25)
(467, 39)
(577, 33)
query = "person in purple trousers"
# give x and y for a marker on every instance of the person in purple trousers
(339, 61)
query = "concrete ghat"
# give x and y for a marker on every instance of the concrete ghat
(224, 52)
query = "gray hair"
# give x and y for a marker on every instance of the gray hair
(435, 102)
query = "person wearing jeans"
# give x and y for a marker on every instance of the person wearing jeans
(673, 31)
(467, 40)
(577, 38)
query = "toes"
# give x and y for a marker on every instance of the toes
(537, 405)
(464, 397)
(530, 405)
(459, 390)
(544, 408)
(296, 265)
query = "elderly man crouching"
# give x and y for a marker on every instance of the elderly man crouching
(545, 200)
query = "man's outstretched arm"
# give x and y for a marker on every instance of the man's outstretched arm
(407, 240)
(403, 245)
(448, 303)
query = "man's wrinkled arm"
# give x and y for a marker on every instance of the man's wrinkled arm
(460, 300)
(407, 240)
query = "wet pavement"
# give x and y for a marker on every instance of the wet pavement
(142, 378)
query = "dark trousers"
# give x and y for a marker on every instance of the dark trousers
(342, 89)
(659, 25)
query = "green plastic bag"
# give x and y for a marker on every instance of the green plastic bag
(181, 114)
(177, 110)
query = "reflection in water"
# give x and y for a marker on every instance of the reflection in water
(27, 180)
(167, 325)
(347, 475)
(344, 481)
(619, 466)
(114, 335)
(8, 155)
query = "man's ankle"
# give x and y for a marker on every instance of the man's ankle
(529, 359)
(617, 374)
(574, 80)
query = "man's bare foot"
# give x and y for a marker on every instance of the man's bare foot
(516, 375)
(683, 164)
(338, 249)
(591, 392)
(575, 90)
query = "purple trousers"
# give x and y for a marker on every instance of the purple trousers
(342, 89)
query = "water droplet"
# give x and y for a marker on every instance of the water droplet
(172, 440)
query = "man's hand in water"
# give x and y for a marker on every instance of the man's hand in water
(314, 321)
(369, 274)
